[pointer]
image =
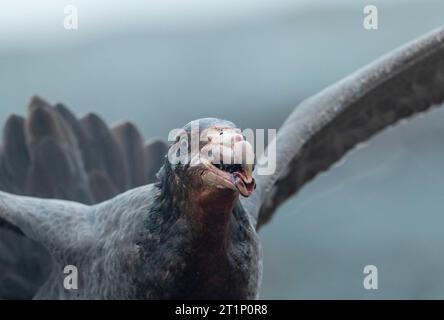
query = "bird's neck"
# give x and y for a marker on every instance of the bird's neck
(210, 214)
(207, 210)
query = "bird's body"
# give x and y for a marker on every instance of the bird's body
(139, 246)
(107, 253)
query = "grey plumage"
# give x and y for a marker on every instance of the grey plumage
(323, 128)
(50, 154)
(141, 243)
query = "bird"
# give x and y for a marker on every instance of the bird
(137, 225)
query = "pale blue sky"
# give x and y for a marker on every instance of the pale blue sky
(38, 24)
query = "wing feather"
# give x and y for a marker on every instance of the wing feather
(130, 142)
(14, 156)
(155, 151)
(107, 157)
(57, 169)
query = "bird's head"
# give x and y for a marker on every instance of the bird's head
(211, 160)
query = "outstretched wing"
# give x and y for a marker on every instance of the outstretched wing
(51, 226)
(53, 154)
(53, 223)
(323, 128)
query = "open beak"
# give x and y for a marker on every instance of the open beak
(244, 181)
(237, 172)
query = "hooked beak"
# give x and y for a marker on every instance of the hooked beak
(236, 172)
(244, 181)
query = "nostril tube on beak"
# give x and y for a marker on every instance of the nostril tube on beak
(244, 155)
(238, 137)
(230, 138)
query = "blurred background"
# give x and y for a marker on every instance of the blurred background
(162, 63)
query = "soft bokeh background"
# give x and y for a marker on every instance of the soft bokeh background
(162, 63)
